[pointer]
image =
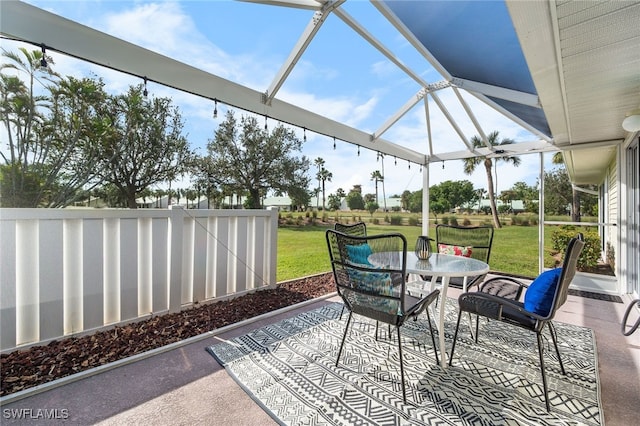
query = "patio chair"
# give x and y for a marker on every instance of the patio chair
(542, 298)
(379, 293)
(468, 241)
(358, 229)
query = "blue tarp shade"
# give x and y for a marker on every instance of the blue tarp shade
(476, 41)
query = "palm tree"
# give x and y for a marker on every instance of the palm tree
(384, 194)
(324, 175)
(377, 177)
(319, 162)
(575, 195)
(470, 165)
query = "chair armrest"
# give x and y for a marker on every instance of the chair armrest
(491, 306)
(506, 287)
(422, 304)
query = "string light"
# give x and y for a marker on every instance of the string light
(145, 92)
(215, 108)
(304, 134)
(334, 142)
(43, 60)
(395, 160)
(409, 163)
(442, 164)
(420, 168)
(377, 157)
(265, 123)
(358, 150)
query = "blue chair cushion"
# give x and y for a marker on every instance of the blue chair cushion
(539, 295)
(359, 253)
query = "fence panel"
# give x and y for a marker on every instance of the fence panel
(65, 272)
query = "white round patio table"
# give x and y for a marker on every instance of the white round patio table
(438, 265)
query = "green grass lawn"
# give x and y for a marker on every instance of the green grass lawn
(303, 250)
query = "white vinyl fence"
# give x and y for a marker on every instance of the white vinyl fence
(67, 271)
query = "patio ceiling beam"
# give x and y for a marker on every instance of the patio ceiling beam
(497, 92)
(453, 122)
(411, 38)
(511, 116)
(520, 148)
(402, 111)
(303, 42)
(378, 45)
(23, 22)
(472, 116)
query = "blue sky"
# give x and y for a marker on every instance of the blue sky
(340, 75)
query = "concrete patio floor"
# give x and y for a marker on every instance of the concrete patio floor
(186, 386)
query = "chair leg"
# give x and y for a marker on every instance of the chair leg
(477, 327)
(455, 338)
(404, 392)
(344, 336)
(554, 337)
(433, 339)
(544, 376)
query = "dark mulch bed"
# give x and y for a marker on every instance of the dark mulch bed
(27, 368)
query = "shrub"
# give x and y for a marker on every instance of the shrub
(306, 214)
(413, 221)
(325, 217)
(314, 214)
(396, 220)
(386, 219)
(524, 222)
(515, 220)
(590, 253)
(375, 221)
(445, 220)
(466, 222)
(453, 221)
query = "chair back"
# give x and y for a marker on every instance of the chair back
(569, 267)
(479, 238)
(375, 290)
(359, 229)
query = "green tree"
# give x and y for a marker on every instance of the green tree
(52, 138)
(145, 145)
(355, 200)
(436, 207)
(334, 202)
(246, 156)
(300, 197)
(371, 207)
(528, 194)
(454, 193)
(324, 175)
(376, 176)
(575, 195)
(405, 199)
(471, 163)
(557, 192)
(319, 163)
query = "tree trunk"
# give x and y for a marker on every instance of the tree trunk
(492, 197)
(131, 200)
(575, 205)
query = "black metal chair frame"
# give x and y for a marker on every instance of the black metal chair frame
(360, 299)
(510, 310)
(358, 229)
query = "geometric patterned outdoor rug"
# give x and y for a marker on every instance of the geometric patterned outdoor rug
(289, 369)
